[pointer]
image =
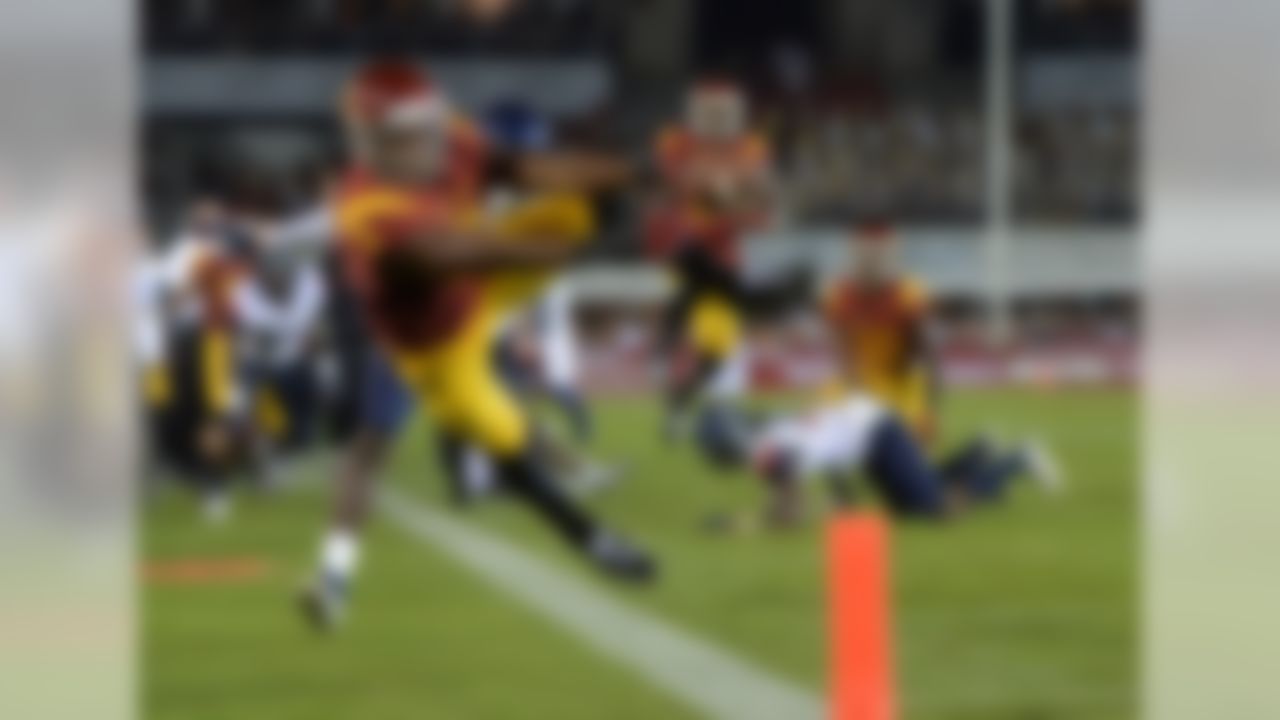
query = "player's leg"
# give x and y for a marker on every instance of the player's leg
(966, 459)
(186, 418)
(468, 471)
(513, 367)
(988, 472)
(218, 431)
(674, 321)
(262, 429)
(713, 336)
(974, 475)
(898, 468)
(475, 408)
(469, 401)
(575, 410)
(339, 554)
(553, 381)
(691, 375)
(383, 406)
(350, 344)
(910, 397)
(155, 386)
(296, 388)
(986, 482)
(723, 435)
(560, 386)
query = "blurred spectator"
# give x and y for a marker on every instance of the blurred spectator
(851, 140)
(926, 163)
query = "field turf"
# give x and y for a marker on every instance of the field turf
(1021, 612)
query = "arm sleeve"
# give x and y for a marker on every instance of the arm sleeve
(250, 310)
(303, 315)
(312, 298)
(308, 235)
(178, 265)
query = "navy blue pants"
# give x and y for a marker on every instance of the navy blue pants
(295, 387)
(898, 468)
(385, 403)
(911, 485)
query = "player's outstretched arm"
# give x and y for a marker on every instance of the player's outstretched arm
(482, 250)
(573, 171)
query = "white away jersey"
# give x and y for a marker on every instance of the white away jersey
(280, 326)
(833, 437)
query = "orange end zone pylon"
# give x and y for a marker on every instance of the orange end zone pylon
(861, 631)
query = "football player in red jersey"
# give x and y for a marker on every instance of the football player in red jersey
(434, 276)
(877, 316)
(716, 185)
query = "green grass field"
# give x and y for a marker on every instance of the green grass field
(1021, 612)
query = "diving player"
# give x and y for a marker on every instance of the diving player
(434, 278)
(877, 317)
(716, 185)
(857, 432)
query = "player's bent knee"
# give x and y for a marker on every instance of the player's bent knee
(493, 421)
(504, 437)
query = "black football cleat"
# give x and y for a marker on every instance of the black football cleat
(621, 560)
(322, 605)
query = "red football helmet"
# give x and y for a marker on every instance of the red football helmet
(398, 119)
(392, 92)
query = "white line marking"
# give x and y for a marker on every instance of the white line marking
(706, 677)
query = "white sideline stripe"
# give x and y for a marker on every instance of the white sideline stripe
(706, 677)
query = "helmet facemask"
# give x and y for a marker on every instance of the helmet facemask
(717, 112)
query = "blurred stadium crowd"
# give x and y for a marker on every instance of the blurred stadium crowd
(872, 133)
(555, 28)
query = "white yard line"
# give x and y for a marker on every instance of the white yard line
(708, 678)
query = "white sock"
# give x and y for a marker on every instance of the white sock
(340, 554)
(477, 473)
